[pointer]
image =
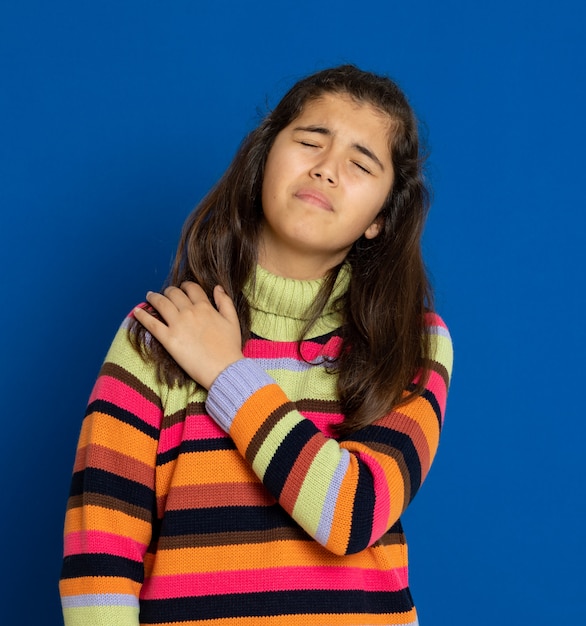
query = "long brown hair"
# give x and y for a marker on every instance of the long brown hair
(384, 340)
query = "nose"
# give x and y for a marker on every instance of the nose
(326, 169)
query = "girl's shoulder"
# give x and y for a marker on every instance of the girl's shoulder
(441, 341)
(126, 360)
(435, 323)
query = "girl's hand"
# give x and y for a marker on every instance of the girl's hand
(204, 341)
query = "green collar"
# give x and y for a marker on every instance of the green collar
(279, 306)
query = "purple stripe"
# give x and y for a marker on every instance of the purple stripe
(99, 599)
(327, 515)
(232, 388)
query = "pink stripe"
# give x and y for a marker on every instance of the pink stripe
(274, 579)
(324, 421)
(202, 427)
(257, 349)
(170, 437)
(382, 503)
(112, 390)
(196, 427)
(260, 349)
(97, 542)
(433, 319)
(437, 386)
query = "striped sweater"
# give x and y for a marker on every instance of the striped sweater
(240, 505)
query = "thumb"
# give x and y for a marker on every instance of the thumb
(225, 305)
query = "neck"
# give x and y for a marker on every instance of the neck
(292, 264)
(281, 307)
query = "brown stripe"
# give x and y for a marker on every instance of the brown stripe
(193, 409)
(108, 502)
(94, 455)
(318, 406)
(441, 370)
(411, 428)
(231, 539)
(298, 472)
(174, 418)
(391, 539)
(123, 375)
(400, 460)
(218, 494)
(265, 429)
(196, 408)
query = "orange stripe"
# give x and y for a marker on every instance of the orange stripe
(205, 468)
(98, 584)
(252, 413)
(420, 411)
(97, 518)
(346, 619)
(395, 481)
(340, 533)
(419, 422)
(283, 554)
(109, 432)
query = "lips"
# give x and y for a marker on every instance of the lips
(315, 197)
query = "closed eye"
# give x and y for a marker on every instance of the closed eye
(308, 144)
(361, 167)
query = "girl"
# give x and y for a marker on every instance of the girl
(258, 429)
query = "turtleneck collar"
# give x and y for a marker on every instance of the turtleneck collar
(279, 306)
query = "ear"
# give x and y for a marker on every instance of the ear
(374, 229)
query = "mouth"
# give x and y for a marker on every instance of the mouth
(315, 197)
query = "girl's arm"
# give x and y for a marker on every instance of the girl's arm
(111, 504)
(344, 494)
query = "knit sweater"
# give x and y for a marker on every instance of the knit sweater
(239, 505)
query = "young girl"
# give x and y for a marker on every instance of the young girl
(257, 430)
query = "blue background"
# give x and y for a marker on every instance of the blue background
(115, 119)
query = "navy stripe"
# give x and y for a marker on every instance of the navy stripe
(197, 445)
(322, 339)
(362, 514)
(400, 442)
(101, 406)
(428, 395)
(285, 456)
(223, 519)
(397, 527)
(92, 480)
(275, 603)
(80, 565)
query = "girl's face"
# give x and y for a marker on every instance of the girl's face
(326, 178)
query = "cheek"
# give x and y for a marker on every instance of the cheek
(383, 195)
(376, 200)
(272, 178)
(269, 184)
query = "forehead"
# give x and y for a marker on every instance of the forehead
(343, 115)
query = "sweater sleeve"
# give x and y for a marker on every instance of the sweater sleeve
(345, 494)
(112, 499)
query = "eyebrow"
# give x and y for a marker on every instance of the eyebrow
(356, 146)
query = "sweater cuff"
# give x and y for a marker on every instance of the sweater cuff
(232, 388)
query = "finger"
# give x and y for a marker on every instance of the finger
(152, 324)
(225, 305)
(177, 297)
(194, 292)
(169, 304)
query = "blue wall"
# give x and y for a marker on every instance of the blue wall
(115, 119)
